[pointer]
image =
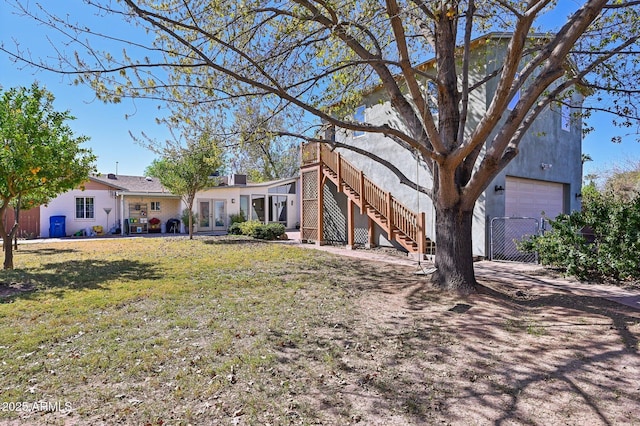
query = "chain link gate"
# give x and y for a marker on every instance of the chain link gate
(506, 232)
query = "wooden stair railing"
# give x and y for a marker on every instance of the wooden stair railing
(401, 224)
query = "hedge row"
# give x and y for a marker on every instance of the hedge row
(257, 229)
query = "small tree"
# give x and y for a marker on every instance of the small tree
(185, 170)
(624, 180)
(39, 155)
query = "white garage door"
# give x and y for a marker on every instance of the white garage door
(529, 198)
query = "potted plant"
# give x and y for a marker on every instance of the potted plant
(185, 219)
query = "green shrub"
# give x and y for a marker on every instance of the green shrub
(248, 228)
(185, 218)
(257, 229)
(270, 231)
(237, 218)
(235, 229)
(612, 248)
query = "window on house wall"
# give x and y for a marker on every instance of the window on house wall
(85, 208)
(358, 117)
(566, 118)
(155, 206)
(289, 188)
(278, 210)
(244, 206)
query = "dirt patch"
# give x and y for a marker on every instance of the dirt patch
(516, 353)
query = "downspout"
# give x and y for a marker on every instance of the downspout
(122, 213)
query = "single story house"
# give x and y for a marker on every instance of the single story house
(120, 204)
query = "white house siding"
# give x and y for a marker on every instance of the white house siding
(231, 196)
(65, 205)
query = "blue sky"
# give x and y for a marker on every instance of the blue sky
(109, 129)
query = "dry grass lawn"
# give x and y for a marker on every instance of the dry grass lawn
(221, 330)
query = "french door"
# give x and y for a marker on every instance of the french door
(212, 215)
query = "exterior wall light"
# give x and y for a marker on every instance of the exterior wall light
(233, 201)
(578, 196)
(499, 189)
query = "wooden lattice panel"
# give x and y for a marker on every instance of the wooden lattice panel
(310, 185)
(310, 205)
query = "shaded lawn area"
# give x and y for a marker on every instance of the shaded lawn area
(225, 330)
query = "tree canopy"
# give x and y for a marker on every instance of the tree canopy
(40, 157)
(184, 169)
(258, 150)
(310, 61)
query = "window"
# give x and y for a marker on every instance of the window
(84, 208)
(155, 206)
(289, 188)
(244, 206)
(566, 118)
(358, 117)
(278, 210)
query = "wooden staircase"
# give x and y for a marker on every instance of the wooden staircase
(400, 223)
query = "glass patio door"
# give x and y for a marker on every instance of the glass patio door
(204, 215)
(278, 210)
(219, 215)
(258, 208)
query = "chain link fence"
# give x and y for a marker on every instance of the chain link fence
(506, 232)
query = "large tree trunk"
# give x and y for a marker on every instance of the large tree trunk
(454, 255)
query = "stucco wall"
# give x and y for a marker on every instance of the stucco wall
(231, 194)
(65, 205)
(545, 142)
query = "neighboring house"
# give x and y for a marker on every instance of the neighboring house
(127, 204)
(543, 180)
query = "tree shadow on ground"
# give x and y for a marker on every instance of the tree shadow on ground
(495, 357)
(77, 275)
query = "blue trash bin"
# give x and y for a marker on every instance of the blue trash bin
(57, 226)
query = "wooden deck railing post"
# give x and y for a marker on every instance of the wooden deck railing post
(350, 225)
(422, 235)
(339, 171)
(390, 223)
(361, 190)
(320, 226)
